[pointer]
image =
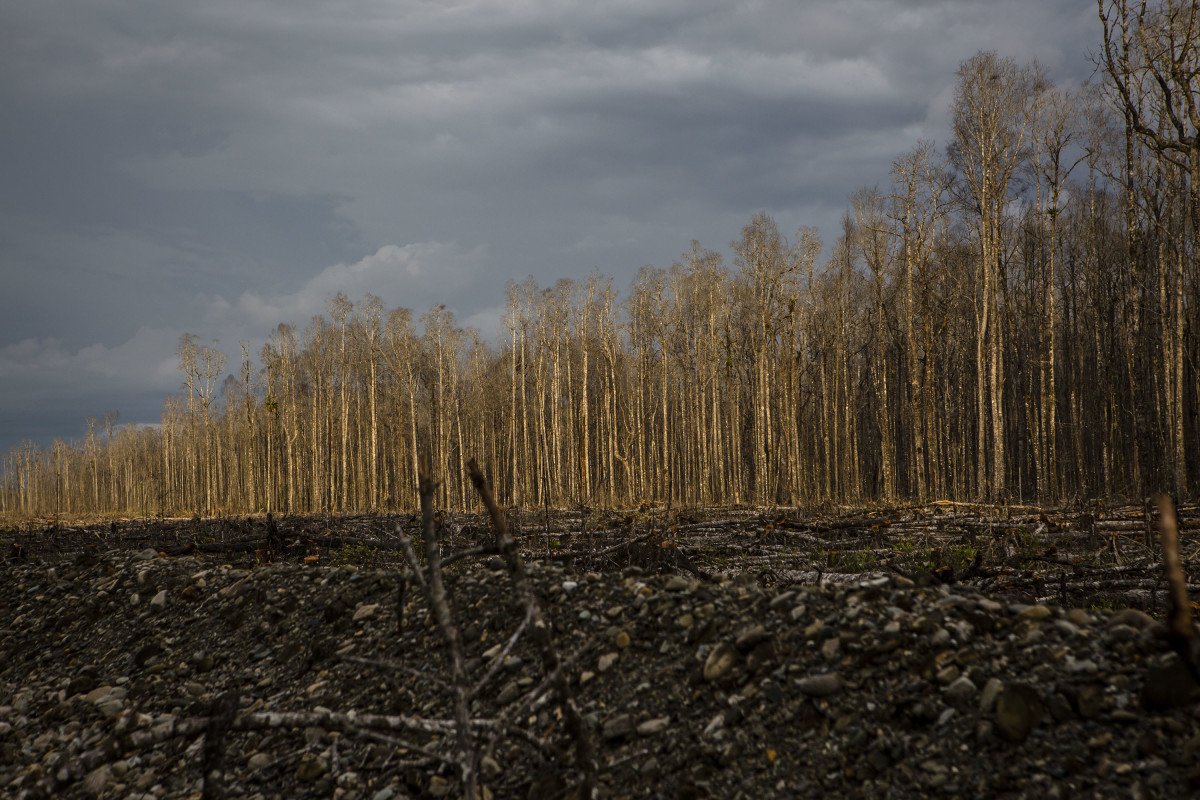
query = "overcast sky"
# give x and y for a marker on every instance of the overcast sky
(221, 166)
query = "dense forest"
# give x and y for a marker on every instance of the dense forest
(1012, 317)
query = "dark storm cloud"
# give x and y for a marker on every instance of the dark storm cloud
(219, 167)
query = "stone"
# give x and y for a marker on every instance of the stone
(81, 684)
(1133, 617)
(159, 600)
(750, 637)
(1035, 613)
(831, 648)
(948, 675)
(991, 690)
(365, 611)
(653, 727)
(961, 692)
(821, 685)
(570, 586)
(1079, 617)
(606, 661)
(111, 707)
(259, 761)
(781, 599)
(622, 639)
(149, 554)
(617, 727)
(97, 780)
(721, 659)
(439, 786)
(1089, 701)
(677, 583)
(1019, 708)
(386, 793)
(94, 696)
(311, 768)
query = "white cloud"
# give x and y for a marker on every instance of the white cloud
(145, 361)
(413, 276)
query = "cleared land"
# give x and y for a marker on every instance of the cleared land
(714, 653)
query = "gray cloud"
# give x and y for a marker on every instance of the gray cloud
(220, 167)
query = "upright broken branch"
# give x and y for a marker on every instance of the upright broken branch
(576, 726)
(436, 589)
(1181, 633)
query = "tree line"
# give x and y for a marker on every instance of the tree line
(1012, 318)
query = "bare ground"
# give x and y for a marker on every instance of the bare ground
(715, 653)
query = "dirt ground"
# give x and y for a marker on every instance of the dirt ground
(946, 649)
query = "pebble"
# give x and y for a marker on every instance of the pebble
(948, 675)
(1036, 613)
(961, 692)
(622, 639)
(750, 637)
(782, 599)
(991, 690)
(1019, 709)
(159, 600)
(311, 767)
(677, 583)
(652, 727)
(259, 761)
(821, 685)
(365, 611)
(97, 780)
(831, 647)
(606, 661)
(721, 659)
(1134, 618)
(617, 727)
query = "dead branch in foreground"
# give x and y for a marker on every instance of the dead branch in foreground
(1181, 633)
(576, 725)
(435, 589)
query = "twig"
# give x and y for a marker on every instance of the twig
(498, 661)
(469, 553)
(411, 554)
(392, 665)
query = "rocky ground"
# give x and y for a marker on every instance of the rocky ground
(746, 656)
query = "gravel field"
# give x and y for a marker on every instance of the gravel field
(746, 653)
